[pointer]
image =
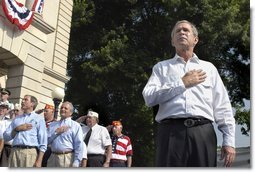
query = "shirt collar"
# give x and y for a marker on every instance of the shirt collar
(95, 126)
(121, 136)
(28, 114)
(194, 58)
(67, 119)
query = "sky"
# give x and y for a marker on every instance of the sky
(241, 140)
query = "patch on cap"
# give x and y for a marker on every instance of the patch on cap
(47, 106)
(116, 123)
(92, 114)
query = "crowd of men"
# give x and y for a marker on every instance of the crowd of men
(30, 139)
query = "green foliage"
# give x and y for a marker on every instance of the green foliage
(243, 118)
(114, 45)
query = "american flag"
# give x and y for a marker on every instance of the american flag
(20, 15)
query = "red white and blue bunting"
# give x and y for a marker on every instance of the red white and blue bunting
(18, 14)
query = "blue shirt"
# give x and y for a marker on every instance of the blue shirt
(72, 139)
(37, 136)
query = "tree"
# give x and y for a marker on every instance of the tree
(114, 45)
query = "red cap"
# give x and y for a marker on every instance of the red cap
(116, 123)
(47, 106)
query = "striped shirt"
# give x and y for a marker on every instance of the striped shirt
(121, 147)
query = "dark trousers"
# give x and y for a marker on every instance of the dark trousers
(180, 146)
(5, 155)
(95, 160)
(118, 163)
(46, 157)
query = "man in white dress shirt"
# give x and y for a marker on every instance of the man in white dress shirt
(99, 144)
(190, 95)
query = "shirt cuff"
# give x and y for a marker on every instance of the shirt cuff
(76, 163)
(229, 141)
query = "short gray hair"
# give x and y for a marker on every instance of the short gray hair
(70, 104)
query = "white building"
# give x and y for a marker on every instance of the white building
(33, 61)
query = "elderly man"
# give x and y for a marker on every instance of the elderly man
(5, 147)
(48, 113)
(5, 94)
(3, 125)
(98, 141)
(122, 148)
(29, 135)
(66, 140)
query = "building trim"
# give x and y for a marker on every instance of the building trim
(56, 75)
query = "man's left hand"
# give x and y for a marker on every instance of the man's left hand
(228, 153)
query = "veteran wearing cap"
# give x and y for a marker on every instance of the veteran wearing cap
(48, 113)
(3, 125)
(5, 146)
(4, 110)
(122, 148)
(98, 141)
(5, 94)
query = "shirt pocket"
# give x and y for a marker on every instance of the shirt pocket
(172, 80)
(206, 90)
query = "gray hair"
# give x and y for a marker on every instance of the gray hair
(70, 104)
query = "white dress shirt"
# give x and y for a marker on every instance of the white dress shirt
(99, 139)
(208, 99)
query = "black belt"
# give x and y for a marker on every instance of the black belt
(118, 161)
(94, 155)
(24, 147)
(188, 122)
(7, 146)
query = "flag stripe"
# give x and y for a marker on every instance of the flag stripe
(18, 14)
